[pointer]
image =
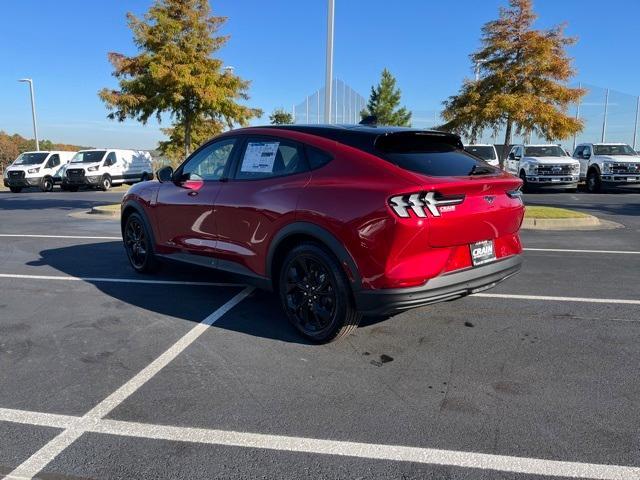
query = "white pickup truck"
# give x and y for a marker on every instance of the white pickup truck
(607, 164)
(36, 169)
(543, 165)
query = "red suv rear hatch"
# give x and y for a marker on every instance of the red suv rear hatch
(464, 199)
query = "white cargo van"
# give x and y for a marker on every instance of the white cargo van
(104, 167)
(36, 169)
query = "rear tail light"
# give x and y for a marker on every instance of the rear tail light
(421, 203)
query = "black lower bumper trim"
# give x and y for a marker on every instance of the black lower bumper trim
(22, 182)
(439, 289)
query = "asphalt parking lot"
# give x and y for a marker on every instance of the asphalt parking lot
(109, 374)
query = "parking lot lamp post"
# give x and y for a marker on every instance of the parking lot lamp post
(604, 121)
(328, 81)
(33, 110)
(635, 125)
(575, 136)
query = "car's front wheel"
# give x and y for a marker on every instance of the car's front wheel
(105, 183)
(137, 243)
(594, 183)
(15, 189)
(315, 294)
(525, 185)
(47, 184)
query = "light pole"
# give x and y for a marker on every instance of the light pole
(328, 82)
(33, 110)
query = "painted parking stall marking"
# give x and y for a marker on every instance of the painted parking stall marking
(75, 237)
(619, 301)
(569, 250)
(34, 464)
(66, 278)
(74, 427)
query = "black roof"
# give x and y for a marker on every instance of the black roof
(364, 137)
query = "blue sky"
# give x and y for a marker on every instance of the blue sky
(279, 46)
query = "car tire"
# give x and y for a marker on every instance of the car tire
(315, 294)
(46, 185)
(105, 183)
(594, 183)
(139, 245)
(525, 185)
(15, 189)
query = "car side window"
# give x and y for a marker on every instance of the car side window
(270, 157)
(578, 152)
(586, 152)
(111, 159)
(209, 162)
(316, 157)
(54, 161)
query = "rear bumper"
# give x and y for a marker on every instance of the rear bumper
(439, 289)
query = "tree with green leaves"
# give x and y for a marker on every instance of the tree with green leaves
(281, 117)
(175, 73)
(384, 103)
(522, 84)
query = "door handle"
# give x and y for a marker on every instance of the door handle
(193, 193)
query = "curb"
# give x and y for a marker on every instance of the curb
(580, 223)
(101, 210)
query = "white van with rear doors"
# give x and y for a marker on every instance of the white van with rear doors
(36, 169)
(484, 151)
(104, 167)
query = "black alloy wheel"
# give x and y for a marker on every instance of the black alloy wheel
(137, 243)
(315, 294)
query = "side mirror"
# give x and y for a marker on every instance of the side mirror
(512, 156)
(165, 174)
(586, 156)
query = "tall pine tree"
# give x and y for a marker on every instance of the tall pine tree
(523, 81)
(175, 73)
(384, 103)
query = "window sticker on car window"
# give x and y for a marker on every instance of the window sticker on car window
(259, 157)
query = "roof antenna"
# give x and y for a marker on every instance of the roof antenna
(369, 120)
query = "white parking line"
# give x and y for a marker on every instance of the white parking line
(34, 464)
(566, 250)
(74, 427)
(548, 298)
(117, 280)
(558, 299)
(59, 236)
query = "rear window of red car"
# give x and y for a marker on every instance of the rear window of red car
(432, 155)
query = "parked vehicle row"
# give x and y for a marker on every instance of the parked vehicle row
(99, 168)
(599, 165)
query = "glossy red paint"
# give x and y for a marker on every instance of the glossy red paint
(237, 222)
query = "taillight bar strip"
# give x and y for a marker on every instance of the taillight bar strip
(417, 202)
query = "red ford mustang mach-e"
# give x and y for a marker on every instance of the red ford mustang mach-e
(340, 221)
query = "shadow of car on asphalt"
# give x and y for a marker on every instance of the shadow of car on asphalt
(260, 315)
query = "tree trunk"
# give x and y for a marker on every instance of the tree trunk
(187, 137)
(507, 142)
